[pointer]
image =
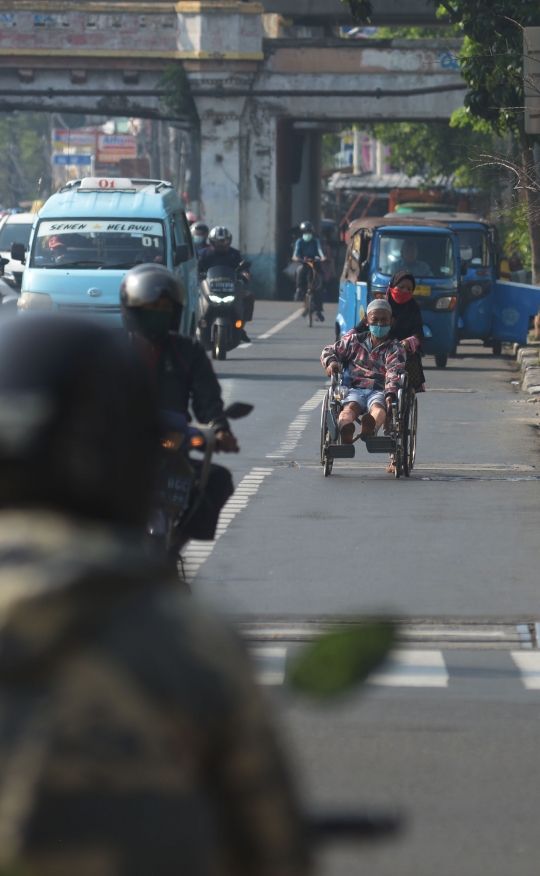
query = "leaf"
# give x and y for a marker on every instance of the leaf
(342, 659)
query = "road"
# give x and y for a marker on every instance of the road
(448, 731)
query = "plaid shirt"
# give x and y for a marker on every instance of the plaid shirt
(378, 368)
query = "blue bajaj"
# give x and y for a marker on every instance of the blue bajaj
(430, 250)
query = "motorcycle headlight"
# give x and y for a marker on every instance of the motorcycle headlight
(446, 302)
(215, 299)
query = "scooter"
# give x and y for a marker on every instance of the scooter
(179, 491)
(221, 309)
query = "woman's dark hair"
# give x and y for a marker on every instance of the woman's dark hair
(402, 275)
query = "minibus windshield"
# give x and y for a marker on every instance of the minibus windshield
(424, 255)
(98, 243)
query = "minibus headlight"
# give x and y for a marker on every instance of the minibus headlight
(446, 302)
(34, 301)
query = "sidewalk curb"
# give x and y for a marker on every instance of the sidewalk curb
(528, 359)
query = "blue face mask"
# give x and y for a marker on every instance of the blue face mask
(198, 239)
(380, 331)
(307, 237)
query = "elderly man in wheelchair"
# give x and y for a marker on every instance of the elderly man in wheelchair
(375, 398)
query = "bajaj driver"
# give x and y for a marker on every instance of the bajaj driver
(376, 364)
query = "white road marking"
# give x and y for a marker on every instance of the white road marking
(529, 666)
(197, 552)
(412, 669)
(280, 325)
(296, 428)
(402, 669)
(269, 663)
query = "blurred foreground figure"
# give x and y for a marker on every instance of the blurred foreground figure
(133, 741)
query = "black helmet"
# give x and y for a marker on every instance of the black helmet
(199, 229)
(220, 237)
(144, 286)
(307, 228)
(78, 428)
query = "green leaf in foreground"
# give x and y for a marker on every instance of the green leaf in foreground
(340, 660)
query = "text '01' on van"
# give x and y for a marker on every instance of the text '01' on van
(91, 232)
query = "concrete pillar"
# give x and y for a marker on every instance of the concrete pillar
(220, 150)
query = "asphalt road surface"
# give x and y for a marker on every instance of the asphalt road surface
(447, 732)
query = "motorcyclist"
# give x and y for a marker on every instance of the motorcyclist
(308, 247)
(220, 252)
(152, 299)
(133, 738)
(199, 233)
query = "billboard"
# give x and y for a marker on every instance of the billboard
(63, 138)
(112, 148)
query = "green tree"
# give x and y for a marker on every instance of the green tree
(491, 63)
(23, 156)
(432, 149)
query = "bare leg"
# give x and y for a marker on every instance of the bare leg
(349, 414)
(379, 415)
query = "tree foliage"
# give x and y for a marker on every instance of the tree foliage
(432, 149)
(24, 159)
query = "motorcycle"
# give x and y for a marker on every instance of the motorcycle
(179, 490)
(221, 309)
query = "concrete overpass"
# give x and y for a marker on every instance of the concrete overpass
(261, 104)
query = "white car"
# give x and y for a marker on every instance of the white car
(14, 228)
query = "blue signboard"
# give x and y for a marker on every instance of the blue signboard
(65, 160)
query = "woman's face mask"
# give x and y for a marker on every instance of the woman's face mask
(307, 237)
(401, 296)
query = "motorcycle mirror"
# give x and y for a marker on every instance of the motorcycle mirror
(238, 410)
(18, 252)
(340, 660)
(181, 254)
(244, 265)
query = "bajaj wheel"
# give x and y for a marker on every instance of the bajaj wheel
(441, 360)
(497, 348)
(220, 343)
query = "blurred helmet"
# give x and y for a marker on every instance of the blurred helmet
(152, 299)
(78, 429)
(191, 217)
(307, 228)
(220, 237)
(199, 229)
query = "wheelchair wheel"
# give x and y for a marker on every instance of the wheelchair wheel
(326, 461)
(410, 424)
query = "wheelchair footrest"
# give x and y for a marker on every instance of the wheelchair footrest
(340, 451)
(384, 444)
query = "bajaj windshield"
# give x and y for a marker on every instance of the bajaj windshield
(424, 255)
(98, 243)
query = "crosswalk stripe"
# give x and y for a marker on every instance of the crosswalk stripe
(412, 669)
(528, 663)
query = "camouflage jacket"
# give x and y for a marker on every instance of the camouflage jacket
(133, 740)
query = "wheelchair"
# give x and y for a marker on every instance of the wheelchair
(400, 443)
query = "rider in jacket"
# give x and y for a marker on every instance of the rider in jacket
(308, 247)
(220, 252)
(133, 738)
(152, 298)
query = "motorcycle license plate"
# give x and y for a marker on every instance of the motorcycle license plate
(423, 290)
(174, 490)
